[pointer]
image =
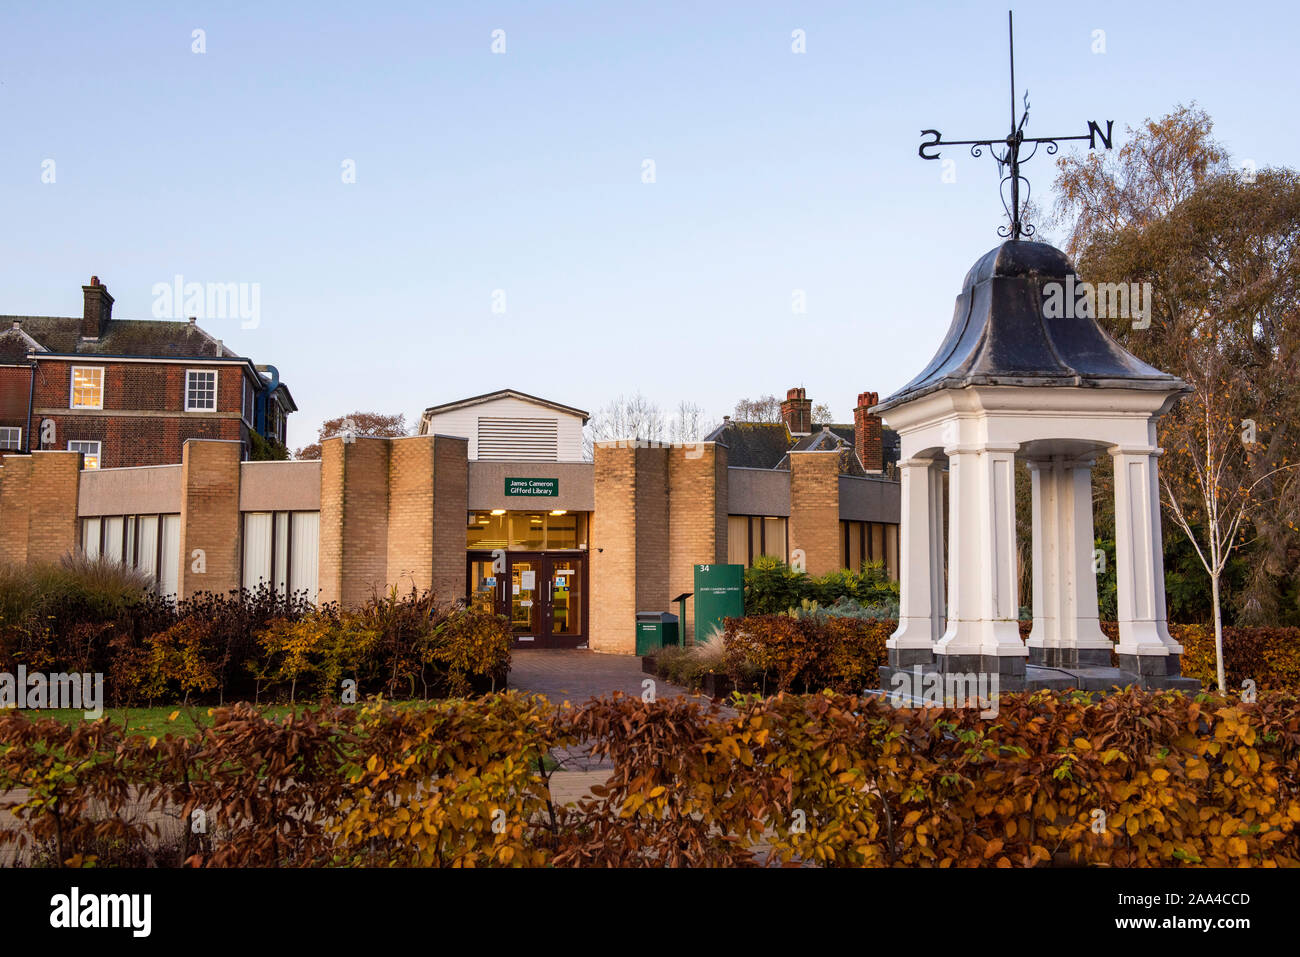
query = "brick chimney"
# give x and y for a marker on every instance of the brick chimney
(866, 433)
(796, 412)
(98, 309)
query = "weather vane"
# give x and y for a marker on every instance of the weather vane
(1010, 152)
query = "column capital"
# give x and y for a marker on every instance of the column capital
(915, 463)
(1118, 450)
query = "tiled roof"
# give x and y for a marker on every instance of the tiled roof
(15, 343)
(767, 445)
(753, 445)
(154, 338)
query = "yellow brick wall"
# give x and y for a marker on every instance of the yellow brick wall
(629, 543)
(52, 498)
(410, 513)
(329, 584)
(15, 481)
(697, 529)
(392, 513)
(450, 505)
(210, 519)
(815, 509)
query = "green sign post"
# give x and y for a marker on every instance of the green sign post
(532, 487)
(719, 594)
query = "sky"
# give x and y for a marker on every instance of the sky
(499, 230)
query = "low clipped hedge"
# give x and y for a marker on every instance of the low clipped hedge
(1134, 779)
(844, 654)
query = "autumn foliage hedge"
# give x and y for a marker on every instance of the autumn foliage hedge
(805, 654)
(1135, 779)
(84, 616)
(814, 653)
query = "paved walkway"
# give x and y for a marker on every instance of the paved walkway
(575, 676)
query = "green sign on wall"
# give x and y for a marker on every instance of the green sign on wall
(719, 594)
(543, 487)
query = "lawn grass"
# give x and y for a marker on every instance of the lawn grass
(185, 720)
(156, 721)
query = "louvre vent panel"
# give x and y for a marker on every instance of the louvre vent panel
(527, 440)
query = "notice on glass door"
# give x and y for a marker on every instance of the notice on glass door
(528, 580)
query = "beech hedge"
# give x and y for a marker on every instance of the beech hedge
(1135, 779)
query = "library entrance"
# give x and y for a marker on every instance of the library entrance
(543, 594)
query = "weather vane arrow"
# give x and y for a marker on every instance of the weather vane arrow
(1010, 146)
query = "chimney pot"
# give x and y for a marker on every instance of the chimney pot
(796, 412)
(97, 309)
(867, 433)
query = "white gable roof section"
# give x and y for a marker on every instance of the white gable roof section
(510, 426)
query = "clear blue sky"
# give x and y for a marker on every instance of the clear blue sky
(522, 172)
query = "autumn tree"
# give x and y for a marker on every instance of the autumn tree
(1219, 250)
(357, 424)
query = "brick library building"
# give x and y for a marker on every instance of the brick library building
(496, 501)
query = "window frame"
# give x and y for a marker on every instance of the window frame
(216, 382)
(18, 444)
(99, 451)
(72, 387)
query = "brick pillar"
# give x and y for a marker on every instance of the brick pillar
(450, 505)
(209, 517)
(354, 519)
(629, 543)
(427, 501)
(52, 505)
(867, 433)
(697, 518)
(15, 508)
(815, 510)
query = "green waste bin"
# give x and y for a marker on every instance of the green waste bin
(654, 629)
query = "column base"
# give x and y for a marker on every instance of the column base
(1070, 657)
(1004, 665)
(1094, 679)
(907, 657)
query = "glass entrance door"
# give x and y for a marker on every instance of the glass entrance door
(524, 598)
(565, 579)
(543, 595)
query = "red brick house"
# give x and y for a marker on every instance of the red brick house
(128, 392)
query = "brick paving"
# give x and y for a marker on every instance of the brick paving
(576, 676)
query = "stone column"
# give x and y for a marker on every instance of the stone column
(1066, 632)
(918, 581)
(1145, 646)
(983, 632)
(938, 585)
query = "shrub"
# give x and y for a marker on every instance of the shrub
(806, 653)
(94, 616)
(772, 587)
